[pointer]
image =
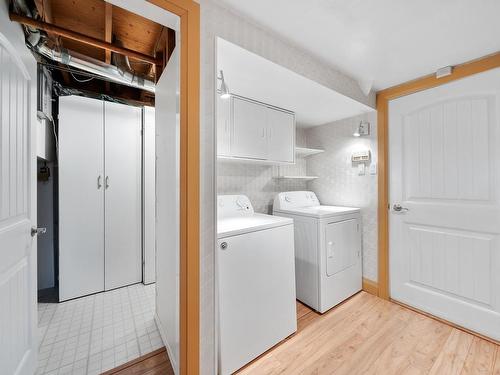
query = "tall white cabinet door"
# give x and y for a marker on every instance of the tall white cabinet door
(281, 135)
(249, 130)
(81, 197)
(122, 184)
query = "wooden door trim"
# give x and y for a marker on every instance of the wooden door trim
(383, 97)
(189, 14)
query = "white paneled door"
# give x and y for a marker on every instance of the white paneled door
(444, 201)
(17, 209)
(122, 184)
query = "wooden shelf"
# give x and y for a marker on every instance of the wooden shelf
(304, 178)
(305, 152)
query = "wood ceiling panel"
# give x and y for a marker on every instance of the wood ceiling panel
(83, 16)
(135, 32)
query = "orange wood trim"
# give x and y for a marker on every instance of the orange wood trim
(134, 362)
(460, 71)
(189, 13)
(370, 286)
(50, 28)
(383, 198)
(383, 97)
(447, 322)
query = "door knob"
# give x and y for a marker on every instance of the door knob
(398, 208)
(35, 231)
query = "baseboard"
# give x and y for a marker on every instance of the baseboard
(370, 286)
(165, 342)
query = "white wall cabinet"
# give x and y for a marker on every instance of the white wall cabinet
(249, 130)
(99, 196)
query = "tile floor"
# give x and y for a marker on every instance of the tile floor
(96, 333)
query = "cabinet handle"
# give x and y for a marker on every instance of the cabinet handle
(99, 184)
(263, 132)
(106, 182)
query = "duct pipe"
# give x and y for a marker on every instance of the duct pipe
(96, 67)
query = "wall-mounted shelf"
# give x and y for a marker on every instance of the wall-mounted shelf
(304, 152)
(231, 159)
(303, 178)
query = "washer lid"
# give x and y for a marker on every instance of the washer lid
(320, 211)
(233, 226)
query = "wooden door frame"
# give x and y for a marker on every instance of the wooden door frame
(189, 14)
(383, 97)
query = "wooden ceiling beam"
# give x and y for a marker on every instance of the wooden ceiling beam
(50, 28)
(108, 29)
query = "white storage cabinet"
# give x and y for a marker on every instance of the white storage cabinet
(249, 130)
(99, 196)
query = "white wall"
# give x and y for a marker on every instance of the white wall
(167, 208)
(217, 21)
(339, 182)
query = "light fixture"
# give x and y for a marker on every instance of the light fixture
(224, 90)
(362, 129)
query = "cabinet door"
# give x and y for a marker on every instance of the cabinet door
(249, 130)
(122, 128)
(281, 136)
(223, 126)
(81, 197)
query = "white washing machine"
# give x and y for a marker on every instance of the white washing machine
(256, 281)
(327, 248)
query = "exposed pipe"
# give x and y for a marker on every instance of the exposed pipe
(27, 21)
(96, 67)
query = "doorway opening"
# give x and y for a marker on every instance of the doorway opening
(101, 160)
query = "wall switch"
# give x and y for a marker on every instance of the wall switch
(373, 168)
(361, 169)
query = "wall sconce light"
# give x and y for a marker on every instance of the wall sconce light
(224, 90)
(362, 129)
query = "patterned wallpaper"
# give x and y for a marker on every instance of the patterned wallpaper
(218, 21)
(258, 182)
(339, 182)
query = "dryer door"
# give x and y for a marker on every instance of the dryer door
(343, 245)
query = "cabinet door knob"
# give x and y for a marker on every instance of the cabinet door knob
(99, 184)
(106, 182)
(223, 245)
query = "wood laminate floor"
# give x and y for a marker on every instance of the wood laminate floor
(155, 363)
(368, 335)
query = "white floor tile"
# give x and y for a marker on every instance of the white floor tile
(93, 334)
